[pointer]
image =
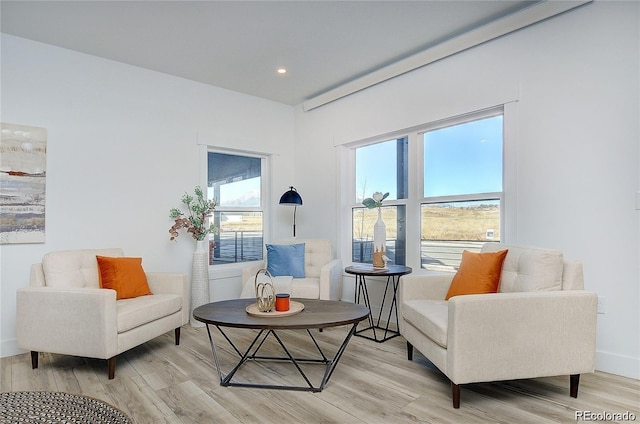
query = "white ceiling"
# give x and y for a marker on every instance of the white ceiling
(238, 45)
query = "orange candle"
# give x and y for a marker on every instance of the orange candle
(282, 302)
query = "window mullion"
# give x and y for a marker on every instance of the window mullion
(413, 205)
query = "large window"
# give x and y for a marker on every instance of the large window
(381, 167)
(462, 182)
(445, 185)
(235, 182)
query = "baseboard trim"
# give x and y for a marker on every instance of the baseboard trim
(617, 364)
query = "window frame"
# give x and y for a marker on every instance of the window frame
(424, 200)
(507, 197)
(445, 123)
(265, 178)
(349, 163)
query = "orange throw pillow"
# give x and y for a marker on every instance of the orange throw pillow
(124, 275)
(478, 273)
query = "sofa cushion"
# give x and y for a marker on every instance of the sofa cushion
(74, 268)
(134, 312)
(286, 259)
(479, 273)
(429, 316)
(529, 269)
(124, 275)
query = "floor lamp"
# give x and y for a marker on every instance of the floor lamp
(292, 198)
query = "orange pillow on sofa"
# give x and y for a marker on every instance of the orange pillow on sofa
(478, 273)
(124, 275)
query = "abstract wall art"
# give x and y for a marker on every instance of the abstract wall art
(23, 154)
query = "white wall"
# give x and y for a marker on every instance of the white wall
(575, 78)
(122, 149)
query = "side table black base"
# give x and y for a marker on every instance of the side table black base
(375, 331)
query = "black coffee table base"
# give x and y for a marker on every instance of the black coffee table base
(252, 354)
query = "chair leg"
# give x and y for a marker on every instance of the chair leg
(111, 366)
(177, 333)
(34, 359)
(455, 392)
(574, 383)
(409, 351)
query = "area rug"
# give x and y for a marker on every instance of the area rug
(57, 408)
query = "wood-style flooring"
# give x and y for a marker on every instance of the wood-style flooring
(159, 382)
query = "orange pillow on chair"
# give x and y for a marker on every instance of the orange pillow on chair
(478, 273)
(124, 275)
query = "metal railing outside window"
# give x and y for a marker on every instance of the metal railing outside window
(236, 246)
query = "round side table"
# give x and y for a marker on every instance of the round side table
(393, 274)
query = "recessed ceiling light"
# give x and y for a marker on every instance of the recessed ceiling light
(281, 71)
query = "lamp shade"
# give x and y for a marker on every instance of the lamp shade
(291, 198)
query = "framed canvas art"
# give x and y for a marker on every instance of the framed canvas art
(23, 154)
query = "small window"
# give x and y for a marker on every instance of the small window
(236, 183)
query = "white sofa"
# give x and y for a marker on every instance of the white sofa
(65, 311)
(540, 323)
(323, 272)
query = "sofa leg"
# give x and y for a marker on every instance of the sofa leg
(409, 351)
(111, 366)
(177, 333)
(455, 392)
(574, 382)
(34, 359)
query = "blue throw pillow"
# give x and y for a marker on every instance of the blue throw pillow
(285, 259)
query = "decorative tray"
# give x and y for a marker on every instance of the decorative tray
(294, 308)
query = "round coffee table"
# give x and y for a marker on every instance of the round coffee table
(317, 314)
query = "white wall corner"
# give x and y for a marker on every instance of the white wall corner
(614, 363)
(10, 348)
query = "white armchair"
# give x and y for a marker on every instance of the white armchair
(65, 311)
(323, 273)
(540, 323)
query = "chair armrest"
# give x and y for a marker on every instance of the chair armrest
(36, 277)
(168, 283)
(503, 336)
(331, 280)
(172, 283)
(431, 285)
(79, 322)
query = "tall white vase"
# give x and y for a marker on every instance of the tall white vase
(379, 241)
(199, 279)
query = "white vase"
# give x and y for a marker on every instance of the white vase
(199, 279)
(379, 241)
